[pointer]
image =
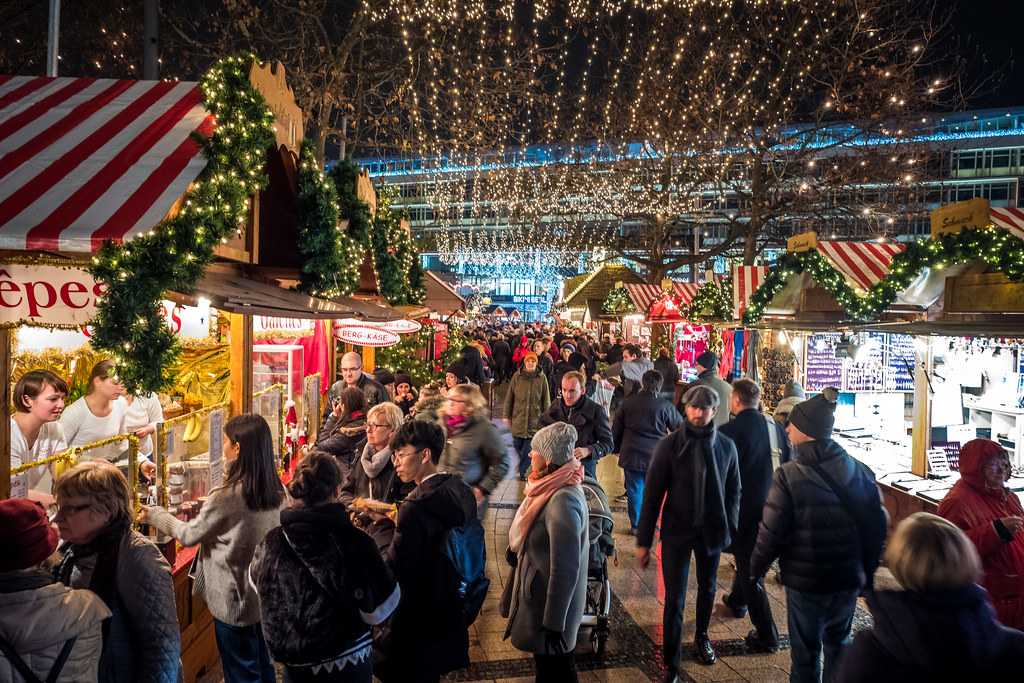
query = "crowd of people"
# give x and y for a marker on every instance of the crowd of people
(370, 562)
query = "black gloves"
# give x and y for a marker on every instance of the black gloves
(554, 644)
(511, 558)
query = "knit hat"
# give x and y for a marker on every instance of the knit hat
(384, 376)
(707, 360)
(531, 356)
(793, 389)
(459, 370)
(25, 534)
(403, 378)
(570, 346)
(815, 417)
(555, 442)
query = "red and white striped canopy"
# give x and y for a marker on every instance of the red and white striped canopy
(643, 295)
(745, 281)
(86, 159)
(863, 264)
(1009, 218)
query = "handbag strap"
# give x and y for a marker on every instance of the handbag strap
(26, 672)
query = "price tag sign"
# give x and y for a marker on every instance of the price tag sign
(216, 448)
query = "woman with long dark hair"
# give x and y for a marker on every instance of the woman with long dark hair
(234, 520)
(344, 432)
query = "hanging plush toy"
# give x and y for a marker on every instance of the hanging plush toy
(291, 430)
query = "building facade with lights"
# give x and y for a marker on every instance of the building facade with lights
(964, 155)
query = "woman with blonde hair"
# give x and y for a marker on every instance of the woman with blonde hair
(473, 448)
(941, 625)
(101, 552)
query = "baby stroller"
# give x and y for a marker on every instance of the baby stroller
(602, 546)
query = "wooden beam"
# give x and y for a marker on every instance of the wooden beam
(240, 354)
(6, 334)
(922, 426)
(369, 359)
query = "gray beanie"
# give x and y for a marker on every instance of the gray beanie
(815, 417)
(555, 443)
(793, 390)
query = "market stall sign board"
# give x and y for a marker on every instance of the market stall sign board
(401, 326)
(46, 295)
(364, 335)
(966, 215)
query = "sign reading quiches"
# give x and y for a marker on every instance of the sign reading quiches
(965, 215)
(263, 323)
(402, 326)
(49, 295)
(805, 241)
(365, 335)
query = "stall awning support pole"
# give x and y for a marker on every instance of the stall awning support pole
(5, 424)
(240, 338)
(369, 359)
(921, 436)
(332, 357)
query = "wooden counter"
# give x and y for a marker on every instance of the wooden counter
(901, 504)
(198, 643)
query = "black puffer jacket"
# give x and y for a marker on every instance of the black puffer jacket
(749, 431)
(936, 636)
(322, 583)
(428, 637)
(590, 421)
(334, 439)
(805, 525)
(385, 487)
(641, 422)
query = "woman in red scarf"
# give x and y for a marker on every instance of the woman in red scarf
(993, 518)
(549, 546)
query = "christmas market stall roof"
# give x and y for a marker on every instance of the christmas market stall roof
(441, 296)
(595, 286)
(85, 159)
(652, 300)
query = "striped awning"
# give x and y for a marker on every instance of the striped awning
(88, 159)
(643, 295)
(1009, 218)
(863, 264)
(745, 281)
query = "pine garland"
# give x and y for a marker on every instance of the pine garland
(997, 247)
(406, 356)
(713, 301)
(346, 176)
(617, 302)
(394, 254)
(330, 258)
(174, 255)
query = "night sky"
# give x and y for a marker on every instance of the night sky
(990, 34)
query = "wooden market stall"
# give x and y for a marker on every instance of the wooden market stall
(585, 295)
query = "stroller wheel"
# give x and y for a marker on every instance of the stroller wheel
(602, 642)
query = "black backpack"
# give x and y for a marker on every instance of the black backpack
(467, 554)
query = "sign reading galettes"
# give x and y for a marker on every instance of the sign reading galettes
(364, 335)
(46, 295)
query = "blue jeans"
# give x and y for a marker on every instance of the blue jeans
(522, 446)
(243, 654)
(818, 621)
(590, 467)
(634, 494)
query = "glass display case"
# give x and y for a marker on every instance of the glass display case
(188, 451)
(278, 364)
(269, 403)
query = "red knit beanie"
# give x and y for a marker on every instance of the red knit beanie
(25, 534)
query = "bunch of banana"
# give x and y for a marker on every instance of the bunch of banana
(193, 429)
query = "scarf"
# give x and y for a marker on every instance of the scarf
(455, 423)
(537, 494)
(374, 463)
(106, 546)
(707, 493)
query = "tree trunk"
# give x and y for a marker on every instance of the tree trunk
(757, 189)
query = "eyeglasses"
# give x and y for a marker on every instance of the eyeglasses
(399, 455)
(69, 510)
(344, 369)
(370, 425)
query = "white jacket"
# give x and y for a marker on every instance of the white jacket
(37, 622)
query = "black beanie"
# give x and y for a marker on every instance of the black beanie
(403, 378)
(815, 416)
(707, 360)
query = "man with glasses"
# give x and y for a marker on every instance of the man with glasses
(429, 636)
(352, 375)
(594, 439)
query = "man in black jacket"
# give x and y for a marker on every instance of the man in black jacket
(749, 429)
(642, 421)
(695, 475)
(352, 375)
(429, 636)
(824, 521)
(594, 434)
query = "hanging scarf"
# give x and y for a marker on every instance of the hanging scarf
(106, 547)
(537, 494)
(708, 502)
(374, 463)
(454, 424)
